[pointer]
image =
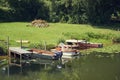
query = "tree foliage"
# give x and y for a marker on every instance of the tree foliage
(68, 11)
(100, 11)
(28, 9)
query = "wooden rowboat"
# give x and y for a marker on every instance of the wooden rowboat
(83, 44)
(46, 54)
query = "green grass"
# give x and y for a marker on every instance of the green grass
(56, 32)
(18, 30)
(114, 48)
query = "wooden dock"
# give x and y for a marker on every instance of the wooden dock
(14, 52)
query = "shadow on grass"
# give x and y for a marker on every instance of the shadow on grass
(112, 26)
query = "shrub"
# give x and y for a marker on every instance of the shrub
(94, 35)
(116, 39)
(3, 48)
(99, 35)
(50, 46)
(61, 40)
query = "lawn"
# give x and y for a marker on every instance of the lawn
(56, 32)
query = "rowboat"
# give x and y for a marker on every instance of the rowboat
(83, 44)
(46, 54)
(66, 51)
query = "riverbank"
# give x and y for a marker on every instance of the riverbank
(93, 65)
(113, 48)
(59, 32)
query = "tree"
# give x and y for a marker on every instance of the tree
(4, 3)
(79, 8)
(100, 11)
(70, 11)
(28, 9)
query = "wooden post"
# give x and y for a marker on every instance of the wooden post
(8, 47)
(8, 51)
(21, 43)
(45, 45)
(9, 54)
(21, 63)
(86, 44)
(8, 70)
(20, 59)
(45, 66)
(14, 57)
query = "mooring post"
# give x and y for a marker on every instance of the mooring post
(45, 66)
(45, 45)
(9, 56)
(21, 63)
(20, 59)
(8, 47)
(21, 43)
(8, 51)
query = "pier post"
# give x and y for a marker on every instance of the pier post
(21, 43)
(45, 45)
(9, 58)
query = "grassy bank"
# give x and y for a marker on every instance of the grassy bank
(113, 48)
(55, 33)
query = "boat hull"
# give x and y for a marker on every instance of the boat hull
(36, 55)
(70, 53)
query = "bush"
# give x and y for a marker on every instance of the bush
(99, 35)
(3, 48)
(61, 40)
(50, 46)
(116, 39)
(84, 37)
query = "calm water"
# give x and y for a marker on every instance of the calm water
(96, 66)
(100, 67)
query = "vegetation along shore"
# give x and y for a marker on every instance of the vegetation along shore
(56, 33)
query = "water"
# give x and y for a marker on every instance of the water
(95, 66)
(100, 67)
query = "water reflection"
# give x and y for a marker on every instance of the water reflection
(33, 66)
(24, 70)
(98, 66)
(94, 66)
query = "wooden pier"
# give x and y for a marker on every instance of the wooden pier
(16, 53)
